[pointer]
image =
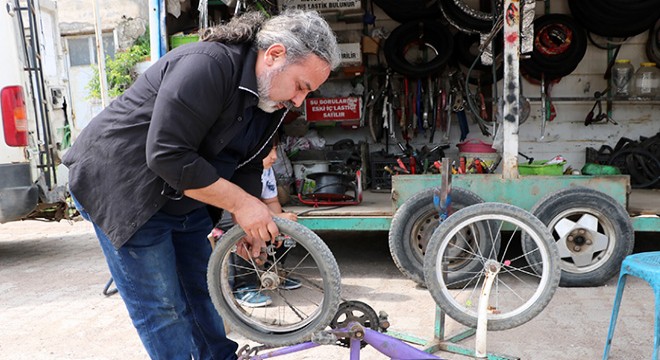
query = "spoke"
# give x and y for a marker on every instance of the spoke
(276, 260)
(563, 250)
(563, 227)
(464, 250)
(256, 268)
(600, 241)
(492, 253)
(582, 259)
(300, 262)
(293, 308)
(510, 289)
(509, 270)
(506, 247)
(589, 221)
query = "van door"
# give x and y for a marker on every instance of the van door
(35, 127)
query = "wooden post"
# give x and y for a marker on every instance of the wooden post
(511, 91)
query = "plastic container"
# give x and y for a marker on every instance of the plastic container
(539, 167)
(475, 146)
(647, 78)
(487, 160)
(622, 77)
(178, 40)
(598, 169)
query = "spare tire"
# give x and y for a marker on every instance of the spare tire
(593, 233)
(431, 35)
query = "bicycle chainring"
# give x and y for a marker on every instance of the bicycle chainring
(354, 311)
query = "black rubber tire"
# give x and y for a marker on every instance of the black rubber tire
(642, 166)
(464, 18)
(615, 18)
(463, 309)
(408, 252)
(613, 221)
(432, 33)
(465, 54)
(559, 65)
(327, 267)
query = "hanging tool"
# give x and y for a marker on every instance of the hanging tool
(420, 110)
(458, 105)
(591, 117)
(530, 160)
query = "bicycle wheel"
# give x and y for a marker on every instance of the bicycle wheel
(412, 227)
(520, 291)
(293, 315)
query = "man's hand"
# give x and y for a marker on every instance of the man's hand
(249, 212)
(246, 248)
(255, 219)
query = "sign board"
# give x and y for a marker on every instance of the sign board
(321, 5)
(350, 54)
(347, 108)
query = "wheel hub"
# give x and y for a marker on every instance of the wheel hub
(269, 280)
(578, 240)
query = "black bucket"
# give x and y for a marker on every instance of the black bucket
(332, 186)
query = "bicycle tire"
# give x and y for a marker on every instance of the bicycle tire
(309, 246)
(642, 166)
(412, 226)
(505, 310)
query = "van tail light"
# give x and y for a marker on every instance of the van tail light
(14, 116)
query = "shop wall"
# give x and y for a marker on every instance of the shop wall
(566, 135)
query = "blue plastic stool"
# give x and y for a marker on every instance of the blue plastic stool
(645, 266)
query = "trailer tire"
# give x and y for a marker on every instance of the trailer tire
(412, 227)
(599, 227)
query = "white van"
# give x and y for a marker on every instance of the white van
(35, 126)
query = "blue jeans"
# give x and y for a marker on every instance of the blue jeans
(161, 276)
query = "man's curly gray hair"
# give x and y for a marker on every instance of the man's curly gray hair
(301, 32)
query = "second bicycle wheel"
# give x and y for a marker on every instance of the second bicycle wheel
(520, 290)
(290, 316)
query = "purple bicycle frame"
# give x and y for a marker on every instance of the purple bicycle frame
(385, 344)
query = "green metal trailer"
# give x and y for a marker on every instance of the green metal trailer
(376, 211)
(592, 218)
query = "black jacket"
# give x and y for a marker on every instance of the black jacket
(163, 132)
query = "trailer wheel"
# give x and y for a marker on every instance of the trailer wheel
(593, 233)
(412, 227)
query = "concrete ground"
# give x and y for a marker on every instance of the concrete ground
(52, 307)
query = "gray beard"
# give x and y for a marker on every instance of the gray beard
(264, 85)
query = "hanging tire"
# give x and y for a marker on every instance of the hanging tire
(559, 45)
(412, 227)
(517, 294)
(465, 18)
(593, 233)
(430, 36)
(294, 315)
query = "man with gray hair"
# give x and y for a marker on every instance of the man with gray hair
(192, 131)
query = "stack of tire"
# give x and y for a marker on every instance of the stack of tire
(422, 28)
